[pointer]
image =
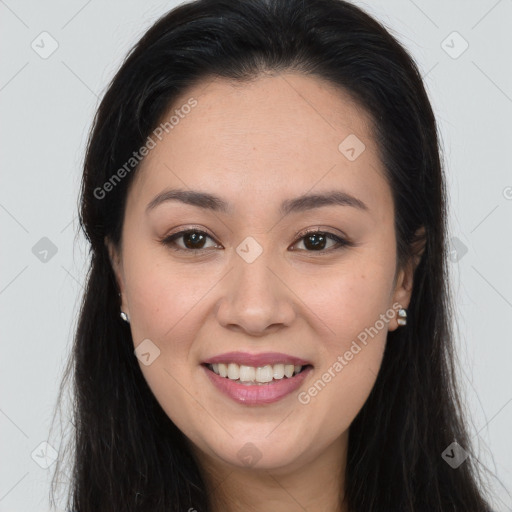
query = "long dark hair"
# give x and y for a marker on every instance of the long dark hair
(127, 454)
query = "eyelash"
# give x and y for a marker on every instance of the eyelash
(169, 241)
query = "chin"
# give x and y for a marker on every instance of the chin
(258, 454)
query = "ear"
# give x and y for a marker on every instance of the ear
(405, 278)
(117, 267)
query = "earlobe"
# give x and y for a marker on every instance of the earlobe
(401, 297)
(405, 279)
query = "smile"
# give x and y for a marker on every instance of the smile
(256, 379)
(252, 375)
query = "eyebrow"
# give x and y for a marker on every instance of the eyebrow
(298, 204)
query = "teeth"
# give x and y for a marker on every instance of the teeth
(223, 370)
(247, 373)
(265, 374)
(260, 374)
(278, 371)
(233, 371)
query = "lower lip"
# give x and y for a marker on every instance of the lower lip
(257, 394)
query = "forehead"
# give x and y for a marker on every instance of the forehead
(271, 138)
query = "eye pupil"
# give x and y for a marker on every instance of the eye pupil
(318, 241)
(194, 237)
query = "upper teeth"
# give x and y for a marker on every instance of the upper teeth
(260, 374)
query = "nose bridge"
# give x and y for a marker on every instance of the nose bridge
(255, 297)
(252, 270)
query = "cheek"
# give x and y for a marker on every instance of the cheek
(349, 299)
(351, 307)
(162, 296)
(164, 301)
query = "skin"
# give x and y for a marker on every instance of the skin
(255, 145)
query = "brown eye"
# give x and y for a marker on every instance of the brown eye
(192, 240)
(195, 240)
(316, 241)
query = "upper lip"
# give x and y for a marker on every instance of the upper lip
(263, 359)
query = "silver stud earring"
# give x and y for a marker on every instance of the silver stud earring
(402, 316)
(124, 316)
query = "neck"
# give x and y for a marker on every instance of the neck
(317, 484)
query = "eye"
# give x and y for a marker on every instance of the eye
(196, 240)
(192, 240)
(316, 241)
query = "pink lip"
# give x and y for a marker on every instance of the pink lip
(255, 394)
(256, 359)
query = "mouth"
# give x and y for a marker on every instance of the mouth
(256, 379)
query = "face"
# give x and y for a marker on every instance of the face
(264, 280)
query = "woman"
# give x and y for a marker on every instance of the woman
(266, 324)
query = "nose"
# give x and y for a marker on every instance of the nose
(256, 299)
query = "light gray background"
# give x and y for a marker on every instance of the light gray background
(46, 109)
